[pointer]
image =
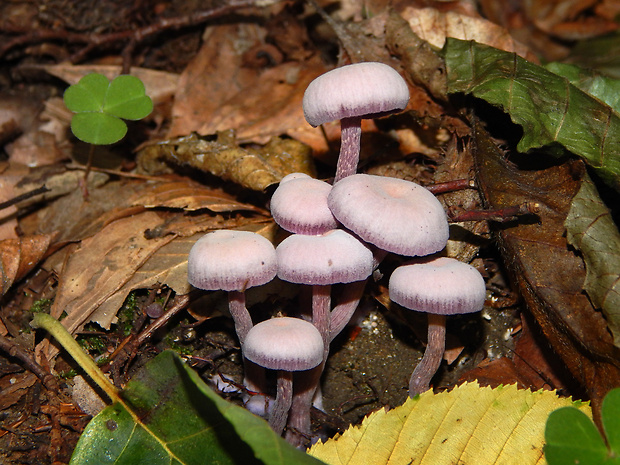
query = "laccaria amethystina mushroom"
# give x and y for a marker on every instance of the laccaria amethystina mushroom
(395, 215)
(299, 205)
(286, 345)
(438, 286)
(232, 261)
(349, 94)
(320, 261)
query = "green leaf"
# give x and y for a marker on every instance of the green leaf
(88, 94)
(590, 228)
(126, 98)
(572, 438)
(548, 107)
(99, 106)
(470, 425)
(98, 128)
(170, 416)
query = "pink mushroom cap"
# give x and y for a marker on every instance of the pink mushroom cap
(359, 90)
(333, 257)
(443, 285)
(299, 205)
(398, 216)
(288, 344)
(231, 261)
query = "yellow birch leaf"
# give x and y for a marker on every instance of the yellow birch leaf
(470, 425)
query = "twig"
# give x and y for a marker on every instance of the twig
(130, 37)
(450, 186)
(11, 348)
(26, 195)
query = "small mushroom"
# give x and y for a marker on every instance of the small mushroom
(232, 261)
(299, 205)
(284, 344)
(438, 286)
(349, 94)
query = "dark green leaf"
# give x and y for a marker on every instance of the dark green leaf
(98, 128)
(173, 417)
(548, 107)
(591, 230)
(610, 412)
(126, 98)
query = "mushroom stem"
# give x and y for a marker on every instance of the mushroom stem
(343, 311)
(284, 399)
(321, 303)
(351, 133)
(240, 314)
(428, 366)
(299, 422)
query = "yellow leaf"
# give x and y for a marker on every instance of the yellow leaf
(470, 425)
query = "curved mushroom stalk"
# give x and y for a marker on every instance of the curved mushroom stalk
(425, 370)
(284, 399)
(350, 140)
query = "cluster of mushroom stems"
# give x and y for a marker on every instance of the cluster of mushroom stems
(340, 233)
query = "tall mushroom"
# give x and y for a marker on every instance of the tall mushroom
(286, 345)
(349, 94)
(438, 286)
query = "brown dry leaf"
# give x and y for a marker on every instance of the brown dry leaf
(549, 275)
(168, 265)
(434, 26)
(189, 196)
(159, 85)
(216, 92)
(19, 256)
(14, 387)
(101, 265)
(253, 168)
(10, 175)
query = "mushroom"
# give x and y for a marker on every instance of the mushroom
(349, 94)
(232, 261)
(299, 205)
(397, 216)
(438, 286)
(284, 344)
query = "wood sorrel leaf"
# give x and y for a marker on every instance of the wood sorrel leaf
(126, 98)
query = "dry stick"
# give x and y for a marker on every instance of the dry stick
(450, 186)
(25, 196)
(48, 380)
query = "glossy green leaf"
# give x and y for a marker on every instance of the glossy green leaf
(549, 108)
(590, 228)
(126, 98)
(170, 416)
(572, 438)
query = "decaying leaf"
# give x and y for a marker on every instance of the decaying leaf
(548, 107)
(469, 425)
(434, 26)
(549, 276)
(591, 230)
(19, 256)
(252, 168)
(101, 265)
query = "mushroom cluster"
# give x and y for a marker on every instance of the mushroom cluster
(339, 234)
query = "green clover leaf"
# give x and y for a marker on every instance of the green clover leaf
(100, 107)
(572, 438)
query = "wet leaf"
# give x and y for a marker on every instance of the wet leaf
(252, 168)
(170, 416)
(591, 230)
(469, 425)
(547, 106)
(548, 275)
(19, 256)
